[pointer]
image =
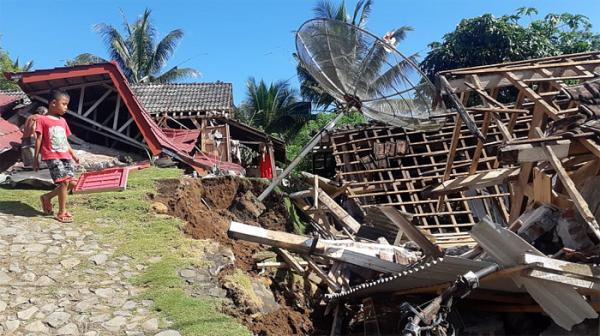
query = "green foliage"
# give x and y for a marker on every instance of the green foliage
(486, 40)
(138, 53)
(85, 58)
(273, 108)
(298, 224)
(294, 147)
(8, 65)
(309, 87)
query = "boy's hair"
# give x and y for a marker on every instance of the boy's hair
(41, 110)
(57, 94)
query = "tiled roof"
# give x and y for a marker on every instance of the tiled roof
(10, 136)
(184, 98)
(10, 96)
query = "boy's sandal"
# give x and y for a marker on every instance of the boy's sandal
(68, 214)
(63, 218)
(46, 206)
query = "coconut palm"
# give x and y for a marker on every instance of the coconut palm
(310, 88)
(273, 108)
(22, 68)
(139, 54)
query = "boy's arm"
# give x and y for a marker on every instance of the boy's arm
(38, 146)
(73, 155)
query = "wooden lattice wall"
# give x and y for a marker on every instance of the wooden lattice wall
(504, 101)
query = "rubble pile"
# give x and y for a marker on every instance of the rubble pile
(413, 229)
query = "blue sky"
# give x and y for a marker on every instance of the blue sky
(231, 40)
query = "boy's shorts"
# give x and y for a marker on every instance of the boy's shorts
(61, 170)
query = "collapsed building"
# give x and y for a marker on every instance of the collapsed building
(191, 123)
(499, 205)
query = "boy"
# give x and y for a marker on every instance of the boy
(28, 139)
(52, 132)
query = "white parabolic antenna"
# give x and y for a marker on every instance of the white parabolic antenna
(363, 71)
(366, 73)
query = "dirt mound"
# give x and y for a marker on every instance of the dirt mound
(208, 205)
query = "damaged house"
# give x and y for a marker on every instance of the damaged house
(494, 216)
(188, 122)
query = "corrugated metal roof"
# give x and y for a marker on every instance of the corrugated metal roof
(185, 97)
(184, 138)
(421, 274)
(561, 302)
(10, 136)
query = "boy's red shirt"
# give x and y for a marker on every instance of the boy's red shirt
(54, 131)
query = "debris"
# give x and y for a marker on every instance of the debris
(111, 179)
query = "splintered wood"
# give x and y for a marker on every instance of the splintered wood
(438, 176)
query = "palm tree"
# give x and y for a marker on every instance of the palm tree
(273, 108)
(22, 68)
(85, 58)
(309, 87)
(138, 53)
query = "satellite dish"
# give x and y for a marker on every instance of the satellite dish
(363, 71)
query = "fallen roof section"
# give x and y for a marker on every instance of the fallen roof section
(10, 136)
(37, 82)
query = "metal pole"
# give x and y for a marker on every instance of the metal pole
(315, 139)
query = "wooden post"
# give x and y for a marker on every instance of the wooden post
(316, 192)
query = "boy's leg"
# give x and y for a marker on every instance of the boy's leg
(62, 192)
(72, 185)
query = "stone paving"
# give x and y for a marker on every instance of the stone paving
(59, 279)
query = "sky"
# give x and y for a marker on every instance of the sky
(232, 40)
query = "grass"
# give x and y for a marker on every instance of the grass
(244, 283)
(124, 220)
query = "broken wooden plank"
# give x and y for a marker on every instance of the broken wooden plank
(532, 153)
(290, 260)
(278, 264)
(356, 253)
(478, 180)
(411, 231)
(575, 195)
(289, 241)
(563, 279)
(320, 273)
(561, 266)
(339, 213)
(542, 187)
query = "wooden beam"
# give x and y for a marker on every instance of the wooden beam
(321, 274)
(100, 100)
(411, 231)
(532, 153)
(561, 266)
(124, 138)
(80, 104)
(359, 254)
(478, 180)
(542, 187)
(575, 195)
(339, 213)
(117, 109)
(493, 109)
(290, 260)
(563, 279)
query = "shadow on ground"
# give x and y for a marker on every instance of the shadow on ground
(19, 208)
